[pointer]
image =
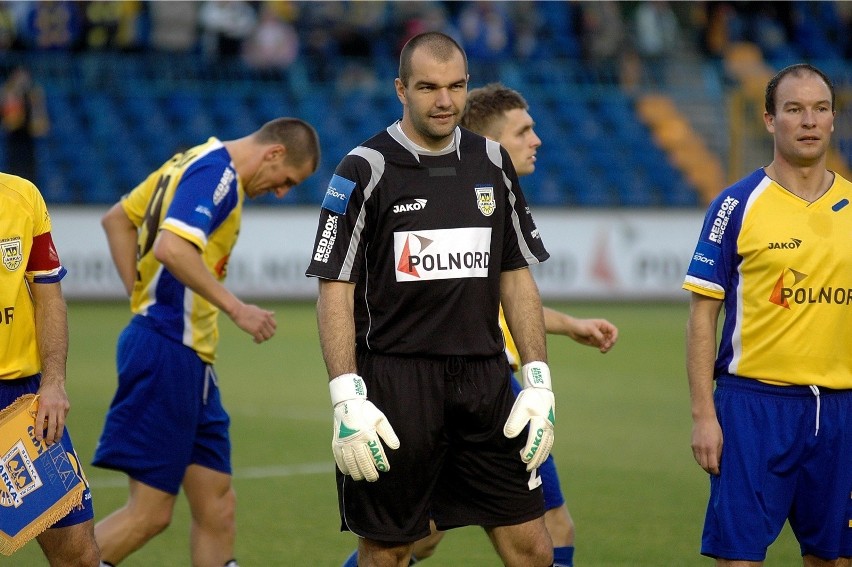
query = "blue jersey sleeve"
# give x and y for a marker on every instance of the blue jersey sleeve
(713, 269)
(205, 196)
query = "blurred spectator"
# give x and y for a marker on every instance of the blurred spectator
(561, 28)
(721, 26)
(603, 32)
(767, 29)
(657, 33)
(413, 18)
(24, 118)
(360, 35)
(174, 25)
(316, 26)
(52, 25)
(274, 43)
(101, 23)
(359, 32)
(225, 25)
(487, 36)
(486, 31)
(527, 23)
(8, 27)
(844, 15)
(113, 24)
(818, 30)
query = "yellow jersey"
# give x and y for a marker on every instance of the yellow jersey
(198, 196)
(783, 268)
(29, 258)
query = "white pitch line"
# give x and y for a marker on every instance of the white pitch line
(248, 473)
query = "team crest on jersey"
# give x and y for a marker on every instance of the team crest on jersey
(13, 253)
(485, 200)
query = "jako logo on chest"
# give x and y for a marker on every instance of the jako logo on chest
(417, 205)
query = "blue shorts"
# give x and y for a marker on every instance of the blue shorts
(553, 497)
(785, 457)
(11, 390)
(166, 413)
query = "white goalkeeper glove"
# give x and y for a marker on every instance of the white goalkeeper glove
(534, 405)
(357, 427)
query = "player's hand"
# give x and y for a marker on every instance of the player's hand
(358, 424)
(53, 406)
(534, 405)
(707, 441)
(257, 322)
(598, 333)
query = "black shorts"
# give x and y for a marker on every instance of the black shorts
(454, 464)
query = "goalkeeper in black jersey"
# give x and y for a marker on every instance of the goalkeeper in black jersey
(423, 233)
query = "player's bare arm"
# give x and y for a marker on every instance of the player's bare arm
(535, 404)
(358, 424)
(336, 324)
(52, 338)
(121, 236)
(700, 357)
(522, 306)
(598, 333)
(184, 261)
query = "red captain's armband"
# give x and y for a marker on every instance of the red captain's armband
(43, 257)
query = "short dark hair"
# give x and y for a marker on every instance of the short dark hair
(440, 45)
(487, 106)
(299, 137)
(797, 70)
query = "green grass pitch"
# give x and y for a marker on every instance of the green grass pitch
(622, 444)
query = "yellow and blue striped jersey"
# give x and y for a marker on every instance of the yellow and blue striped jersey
(28, 258)
(198, 196)
(783, 267)
(510, 348)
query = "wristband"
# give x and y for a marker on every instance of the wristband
(536, 375)
(346, 387)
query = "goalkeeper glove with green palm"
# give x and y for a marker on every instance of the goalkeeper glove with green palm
(358, 424)
(534, 405)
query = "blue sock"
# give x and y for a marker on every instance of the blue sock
(563, 556)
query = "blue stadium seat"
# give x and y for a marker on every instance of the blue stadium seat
(680, 194)
(550, 190)
(595, 151)
(272, 103)
(560, 39)
(589, 188)
(51, 181)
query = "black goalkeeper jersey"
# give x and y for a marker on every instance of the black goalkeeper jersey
(424, 236)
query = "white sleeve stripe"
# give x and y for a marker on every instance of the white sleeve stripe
(516, 226)
(704, 284)
(187, 228)
(492, 148)
(376, 162)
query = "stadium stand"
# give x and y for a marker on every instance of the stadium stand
(672, 132)
(613, 129)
